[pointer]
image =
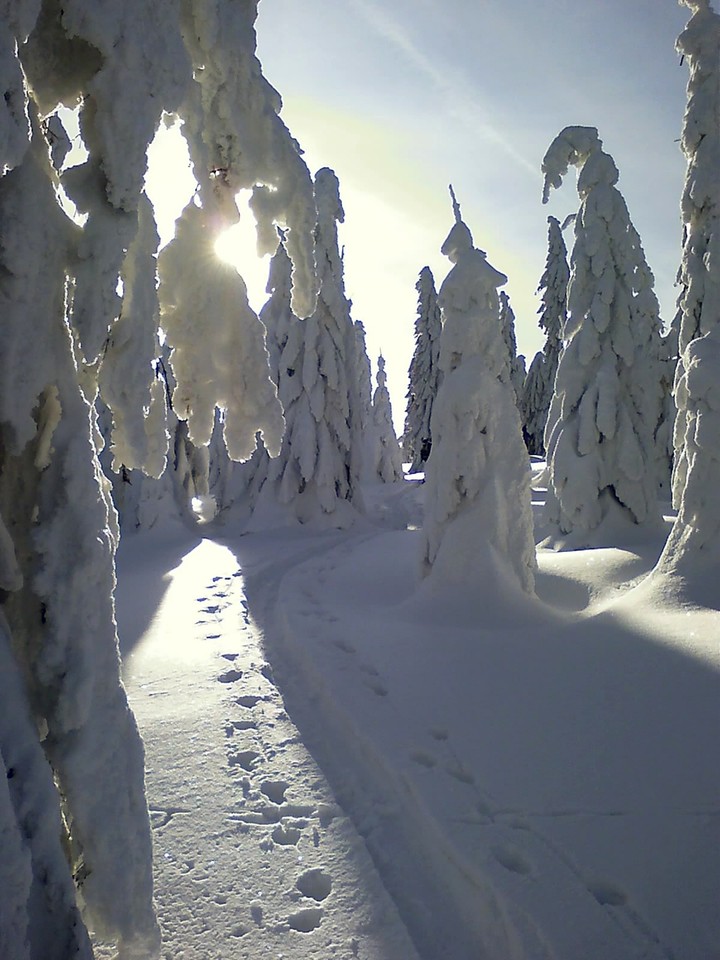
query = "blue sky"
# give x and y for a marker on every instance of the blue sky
(402, 98)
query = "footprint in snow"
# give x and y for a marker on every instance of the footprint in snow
(423, 759)
(459, 773)
(512, 860)
(230, 676)
(315, 884)
(245, 759)
(439, 733)
(248, 701)
(344, 646)
(285, 836)
(274, 790)
(607, 894)
(306, 920)
(377, 688)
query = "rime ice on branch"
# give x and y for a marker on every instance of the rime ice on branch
(600, 444)
(478, 519)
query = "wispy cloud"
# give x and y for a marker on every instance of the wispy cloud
(464, 102)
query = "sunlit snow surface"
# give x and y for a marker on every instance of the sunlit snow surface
(529, 780)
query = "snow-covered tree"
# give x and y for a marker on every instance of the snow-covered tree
(424, 374)
(478, 519)
(361, 409)
(607, 390)
(516, 363)
(238, 485)
(313, 474)
(73, 812)
(664, 431)
(695, 538)
(387, 460)
(540, 381)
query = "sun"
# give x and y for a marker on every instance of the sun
(238, 246)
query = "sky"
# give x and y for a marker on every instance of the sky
(403, 98)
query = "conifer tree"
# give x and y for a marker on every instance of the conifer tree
(424, 374)
(516, 363)
(313, 474)
(695, 536)
(540, 381)
(478, 519)
(601, 447)
(74, 810)
(361, 410)
(387, 459)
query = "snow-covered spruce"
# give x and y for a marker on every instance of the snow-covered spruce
(313, 474)
(699, 276)
(424, 374)
(692, 550)
(607, 391)
(694, 542)
(478, 519)
(237, 486)
(127, 382)
(515, 363)
(237, 139)
(68, 326)
(665, 429)
(60, 612)
(218, 346)
(540, 381)
(361, 409)
(387, 459)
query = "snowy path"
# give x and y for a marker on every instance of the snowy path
(534, 803)
(253, 856)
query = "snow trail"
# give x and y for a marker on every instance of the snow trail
(253, 856)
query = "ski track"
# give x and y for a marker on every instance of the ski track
(256, 860)
(510, 840)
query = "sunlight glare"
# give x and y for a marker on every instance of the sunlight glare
(238, 246)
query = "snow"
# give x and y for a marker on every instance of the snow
(479, 776)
